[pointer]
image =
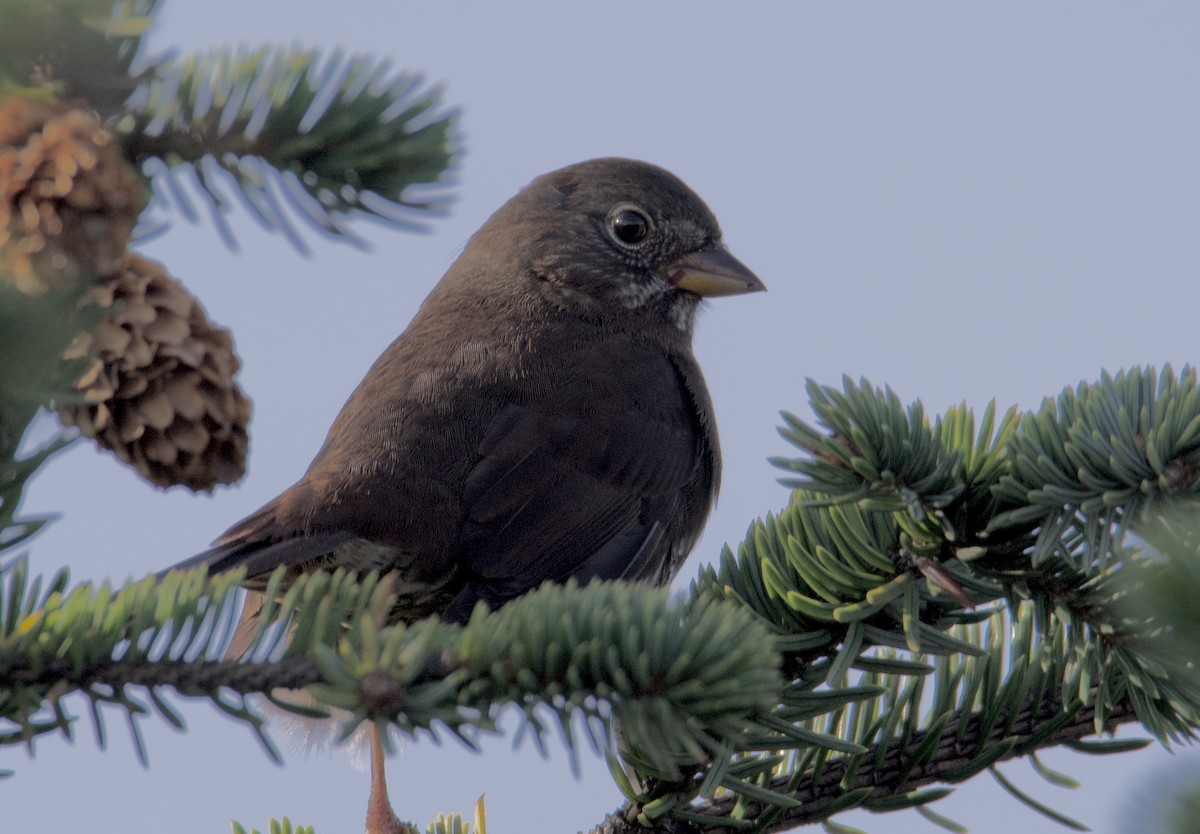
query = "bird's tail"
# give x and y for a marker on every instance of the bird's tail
(260, 556)
(217, 559)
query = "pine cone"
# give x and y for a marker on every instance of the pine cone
(161, 393)
(68, 197)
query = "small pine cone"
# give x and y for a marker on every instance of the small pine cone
(160, 393)
(68, 197)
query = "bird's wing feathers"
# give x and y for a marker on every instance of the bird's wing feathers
(584, 495)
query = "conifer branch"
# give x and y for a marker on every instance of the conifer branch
(817, 797)
(290, 129)
(564, 652)
(866, 628)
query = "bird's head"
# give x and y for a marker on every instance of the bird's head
(617, 241)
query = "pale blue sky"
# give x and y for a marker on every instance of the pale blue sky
(960, 200)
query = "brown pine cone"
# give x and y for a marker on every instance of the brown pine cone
(68, 197)
(161, 393)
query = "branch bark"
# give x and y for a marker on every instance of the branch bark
(954, 753)
(188, 677)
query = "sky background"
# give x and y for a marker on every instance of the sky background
(959, 200)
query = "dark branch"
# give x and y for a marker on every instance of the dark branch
(194, 677)
(204, 677)
(946, 765)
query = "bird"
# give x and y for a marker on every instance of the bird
(541, 419)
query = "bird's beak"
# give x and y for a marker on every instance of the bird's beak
(712, 272)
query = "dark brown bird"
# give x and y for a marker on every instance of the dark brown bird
(541, 418)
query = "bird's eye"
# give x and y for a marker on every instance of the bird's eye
(629, 227)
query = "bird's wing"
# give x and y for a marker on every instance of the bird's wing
(585, 496)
